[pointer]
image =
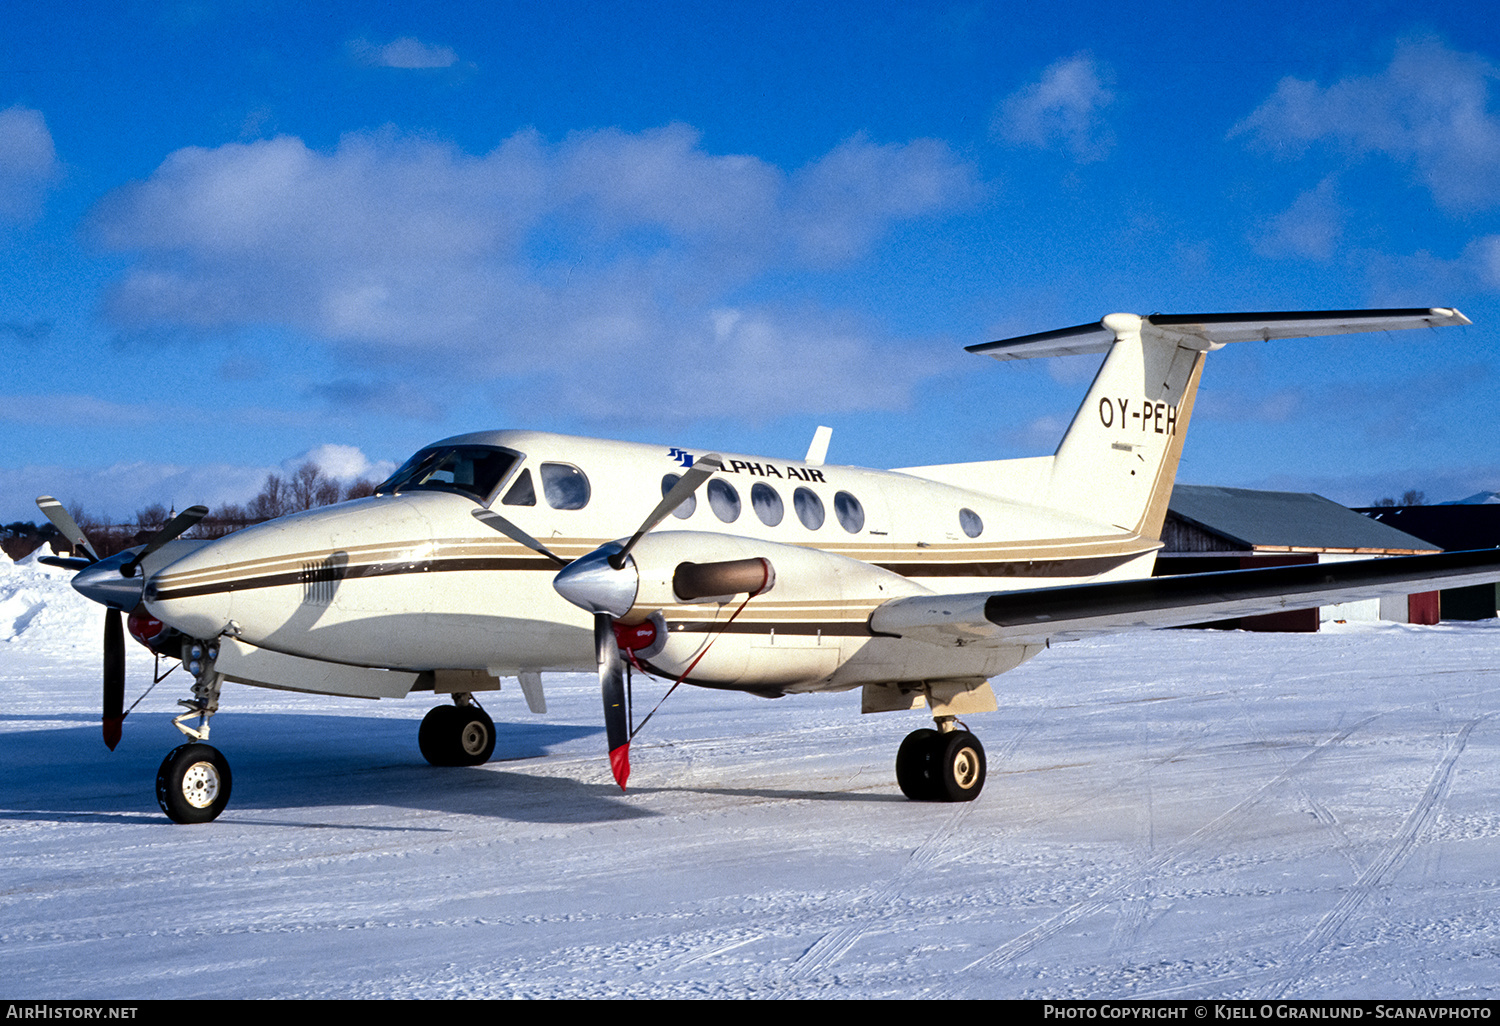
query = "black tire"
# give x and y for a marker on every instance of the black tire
(192, 785)
(960, 766)
(453, 735)
(916, 765)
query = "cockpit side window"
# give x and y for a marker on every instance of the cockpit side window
(565, 486)
(473, 470)
(523, 492)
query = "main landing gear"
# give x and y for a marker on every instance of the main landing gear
(457, 735)
(943, 765)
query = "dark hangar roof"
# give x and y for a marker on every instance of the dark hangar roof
(1454, 527)
(1248, 519)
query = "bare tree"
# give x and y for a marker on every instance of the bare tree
(359, 489)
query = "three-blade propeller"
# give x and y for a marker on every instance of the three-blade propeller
(105, 589)
(598, 582)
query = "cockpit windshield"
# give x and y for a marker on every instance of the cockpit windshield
(472, 470)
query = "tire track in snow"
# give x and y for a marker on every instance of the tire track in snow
(1275, 980)
(832, 946)
(1391, 859)
(1104, 899)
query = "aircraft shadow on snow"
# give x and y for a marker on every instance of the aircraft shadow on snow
(292, 760)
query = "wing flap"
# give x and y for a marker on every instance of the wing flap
(1075, 611)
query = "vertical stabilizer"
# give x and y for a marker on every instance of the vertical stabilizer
(1118, 460)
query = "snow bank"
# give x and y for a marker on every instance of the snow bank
(40, 611)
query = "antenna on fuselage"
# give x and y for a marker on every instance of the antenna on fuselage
(817, 452)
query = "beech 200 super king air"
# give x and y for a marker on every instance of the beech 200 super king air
(510, 553)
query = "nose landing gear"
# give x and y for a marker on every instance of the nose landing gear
(192, 784)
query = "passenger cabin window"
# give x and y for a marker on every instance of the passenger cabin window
(767, 504)
(473, 470)
(685, 508)
(970, 522)
(724, 500)
(565, 486)
(850, 513)
(523, 492)
(809, 508)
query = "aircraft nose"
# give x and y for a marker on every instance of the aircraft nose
(103, 583)
(198, 612)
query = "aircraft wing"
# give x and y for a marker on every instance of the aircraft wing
(1076, 611)
(1217, 329)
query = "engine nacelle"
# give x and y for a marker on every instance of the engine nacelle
(807, 609)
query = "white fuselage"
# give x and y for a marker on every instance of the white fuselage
(411, 581)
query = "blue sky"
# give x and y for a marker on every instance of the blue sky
(233, 234)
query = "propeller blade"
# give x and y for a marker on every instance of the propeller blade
(703, 468)
(491, 519)
(67, 562)
(612, 687)
(178, 524)
(66, 525)
(114, 677)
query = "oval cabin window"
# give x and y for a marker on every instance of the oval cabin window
(685, 508)
(724, 500)
(850, 513)
(767, 504)
(809, 508)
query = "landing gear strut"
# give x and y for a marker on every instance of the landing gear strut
(943, 765)
(192, 785)
(457, 735)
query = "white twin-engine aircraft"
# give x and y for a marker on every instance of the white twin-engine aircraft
(493, 554)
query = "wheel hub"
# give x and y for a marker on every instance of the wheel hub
(200, 785)
(474, 738)
(965, 768)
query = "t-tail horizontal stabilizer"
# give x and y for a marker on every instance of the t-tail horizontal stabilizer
(1218, 329)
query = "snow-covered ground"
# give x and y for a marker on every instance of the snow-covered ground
(1183, 813)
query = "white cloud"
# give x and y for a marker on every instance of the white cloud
(407, 53)
(592, 257)
(1413, 278)
(1428, 110)
(1310, 228)
(1063, 110)
(28, 163)
(342, 462)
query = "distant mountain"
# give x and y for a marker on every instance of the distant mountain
(1477, 499)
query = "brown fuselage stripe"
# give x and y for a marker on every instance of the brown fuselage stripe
(1080, 567)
